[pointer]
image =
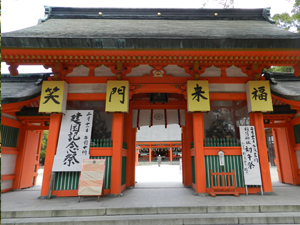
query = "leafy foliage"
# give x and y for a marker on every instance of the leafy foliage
(44, 146)
(280, 69)
(289, 22)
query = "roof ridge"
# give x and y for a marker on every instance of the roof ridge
(157, 13)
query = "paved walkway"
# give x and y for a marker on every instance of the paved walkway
(153, 189)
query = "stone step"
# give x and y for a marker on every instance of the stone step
(150, 211)
(165, 219)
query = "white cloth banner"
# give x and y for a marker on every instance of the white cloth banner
(74, 140)
(144, 117)
(250, 156)
(172, 116)
(158, 117)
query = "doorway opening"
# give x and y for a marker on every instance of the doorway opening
(152, 143)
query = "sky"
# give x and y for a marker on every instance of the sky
(19, 14)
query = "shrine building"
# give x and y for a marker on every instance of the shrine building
(117, 70)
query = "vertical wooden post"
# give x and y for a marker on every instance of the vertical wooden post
(129, 136)
(294, 165)
(187, 138)
(171, 154)
(54, 128)
(150, 154)
(116, 167)
(136, 158)
(294, 147)
(20, 159)
(198, 126)
(38, 155)
(257, 122)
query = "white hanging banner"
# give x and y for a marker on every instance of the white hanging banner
(250, 156)
(158, 117)
(74, 140)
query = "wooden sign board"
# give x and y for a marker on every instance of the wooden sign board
(91, 178)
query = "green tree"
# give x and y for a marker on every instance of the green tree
(287, 21)
(44, 146)
(280, 69)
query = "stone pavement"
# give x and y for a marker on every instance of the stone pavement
(162, 202)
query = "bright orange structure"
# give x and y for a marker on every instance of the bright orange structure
(156, 53)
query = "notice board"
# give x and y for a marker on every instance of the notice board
(250, 156)
(91, 177)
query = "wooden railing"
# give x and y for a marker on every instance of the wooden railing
(222, 188)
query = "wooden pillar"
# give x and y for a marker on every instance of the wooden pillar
(171, 154)
(54, 128)
(20, 159)
(136, 158)
(293, 155)
(130, 134)
(38, 156)
(150, 154)
(198, 126)
(257, 122)
(116, 167)
(187, 138)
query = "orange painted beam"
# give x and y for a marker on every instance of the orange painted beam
(295, 121)
(117, 137)
(226, 150)
(256, 120)
(72, 193)
(198, 129)
(10, 122)
(6, 190)
(147, 105)
(36, 127)
(9, 150)
(8, 177)
(227, 96)
(287, 101)
(171, 154)
(54, 128)
(18, 105)
(87, 97)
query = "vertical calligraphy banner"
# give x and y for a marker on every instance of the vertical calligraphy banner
(54, 97)
(250, 156)
(198, 96)
(117, 96)
(259, 97)
(74, 140)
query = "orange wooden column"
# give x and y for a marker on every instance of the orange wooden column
(198, 126)
(293, 155)
(171, 154)
(54, 128)
(136, 158)
(187, 138)
(20, 159)
(116, 167)
(150, 154)
(257, 121)
(38, 156)
(129, 136)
